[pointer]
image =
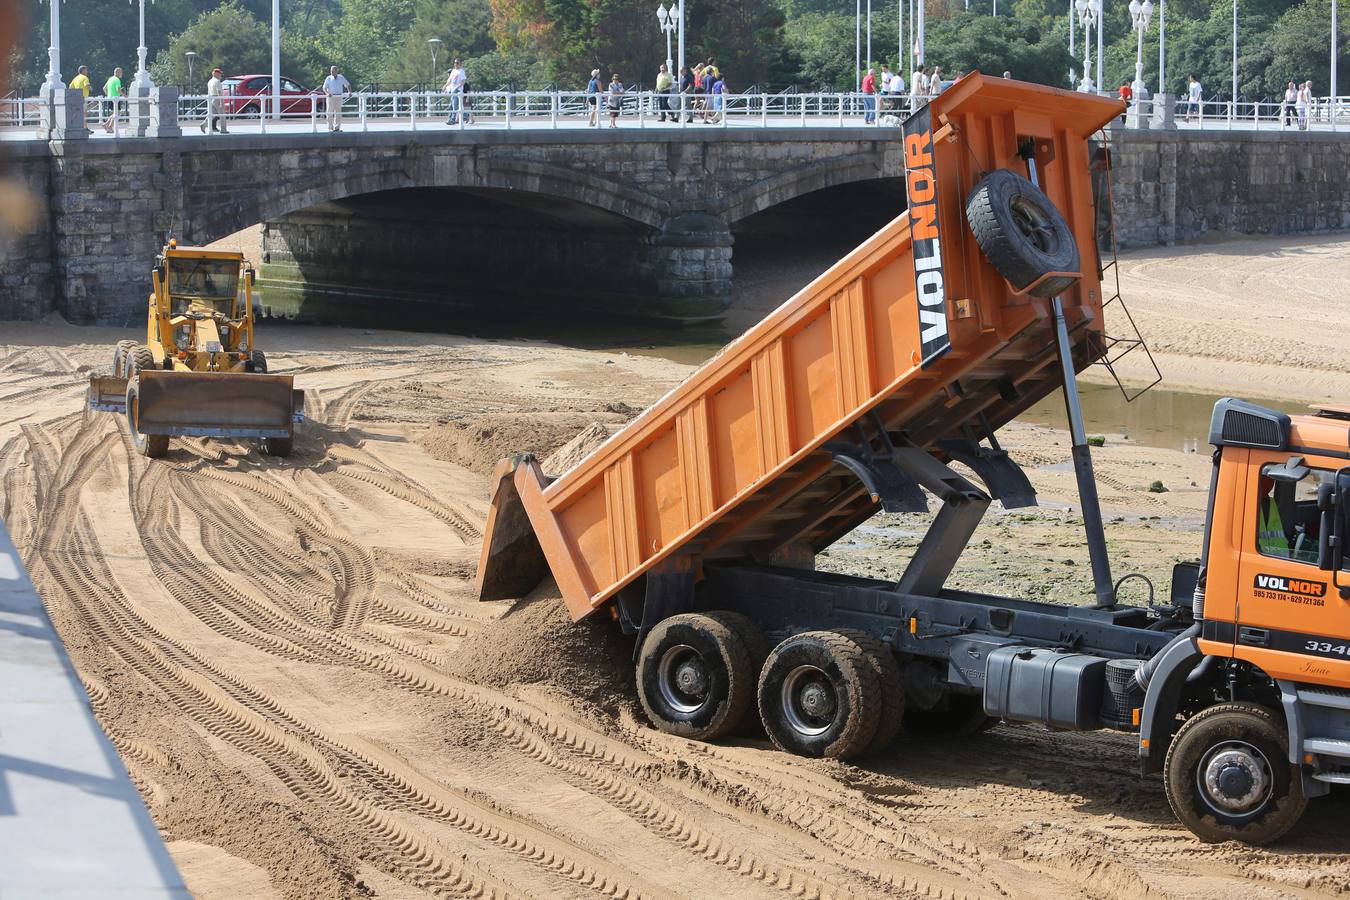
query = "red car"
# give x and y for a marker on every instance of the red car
(248, 95)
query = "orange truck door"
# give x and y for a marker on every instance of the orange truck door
(1290, 619)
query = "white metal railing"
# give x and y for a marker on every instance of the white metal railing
(1322, 113)
(20, 112)
(413, 110)
(108, 114)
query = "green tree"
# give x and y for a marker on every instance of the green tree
(822, 46)
(968, 41)
(461, 25)
(228, 36)
(367, 37)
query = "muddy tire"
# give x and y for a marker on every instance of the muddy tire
(151, 446)
(819, 696)
(141, 359)
(1229, 778)
(257, 362)
(275, 446)
(887, 671)
(120, 354)
(756, 644)
(694, 676)
(956, 715)
(1021, 232)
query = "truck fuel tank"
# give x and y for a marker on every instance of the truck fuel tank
(1038, 684)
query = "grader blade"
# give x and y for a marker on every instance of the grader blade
(108, 393)
(217, 404)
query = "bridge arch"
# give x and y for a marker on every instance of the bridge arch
(208, 217)
(799, 181)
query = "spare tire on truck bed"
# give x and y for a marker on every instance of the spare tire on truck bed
(1021, 233)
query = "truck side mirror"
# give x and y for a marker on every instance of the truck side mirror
(1334, 537)
(1327, 531)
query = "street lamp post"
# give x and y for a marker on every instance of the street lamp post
(276, 59)
(1099, 4)
(434, 44)
(1089, 14)
(669, 22)
(1162, 46)
(1140, 13)
(142, 79)
(54, 82)
(1233, 104)
(1071, 50)
(191, 59)
(680, 41)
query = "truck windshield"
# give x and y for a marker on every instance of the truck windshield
(208, 285)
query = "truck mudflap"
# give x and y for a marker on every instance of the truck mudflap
(211, 404)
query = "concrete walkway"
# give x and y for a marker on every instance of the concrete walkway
(71, 823)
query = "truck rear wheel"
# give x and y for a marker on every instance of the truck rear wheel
(1229, 778)
(695, 677)
(819, 696)
(151, 446)
(1021, 232)
(890, 692)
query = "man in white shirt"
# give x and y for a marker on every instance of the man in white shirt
(335, 87)
(454, 85)
(897, 90)
(1195, 96)
(215, 112)
(918, 89)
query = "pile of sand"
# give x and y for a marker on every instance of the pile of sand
(479, 443)
(579, 447)
(536, 642)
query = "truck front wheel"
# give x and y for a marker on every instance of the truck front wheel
(695, 677)
(1229, 777)
(819, 696)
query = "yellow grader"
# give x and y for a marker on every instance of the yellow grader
(198, 373)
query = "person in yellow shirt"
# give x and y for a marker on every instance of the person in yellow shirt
(81, 82)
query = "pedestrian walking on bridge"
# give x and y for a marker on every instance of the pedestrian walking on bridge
(112, 89)
(335, 88)
(215, 105)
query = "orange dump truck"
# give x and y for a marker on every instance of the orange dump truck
(695, 528)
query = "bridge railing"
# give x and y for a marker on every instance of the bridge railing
(411, 110)
(533, 109)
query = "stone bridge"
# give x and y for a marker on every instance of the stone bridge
(628, 220)
(638, 222)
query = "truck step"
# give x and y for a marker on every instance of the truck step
(1336, 699)
(1333, 777)
(1327, 746)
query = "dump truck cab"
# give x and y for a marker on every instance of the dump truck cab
(1271, 635)
(202, 310)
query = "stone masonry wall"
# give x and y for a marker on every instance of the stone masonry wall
(27, 255)
(1175, 186)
